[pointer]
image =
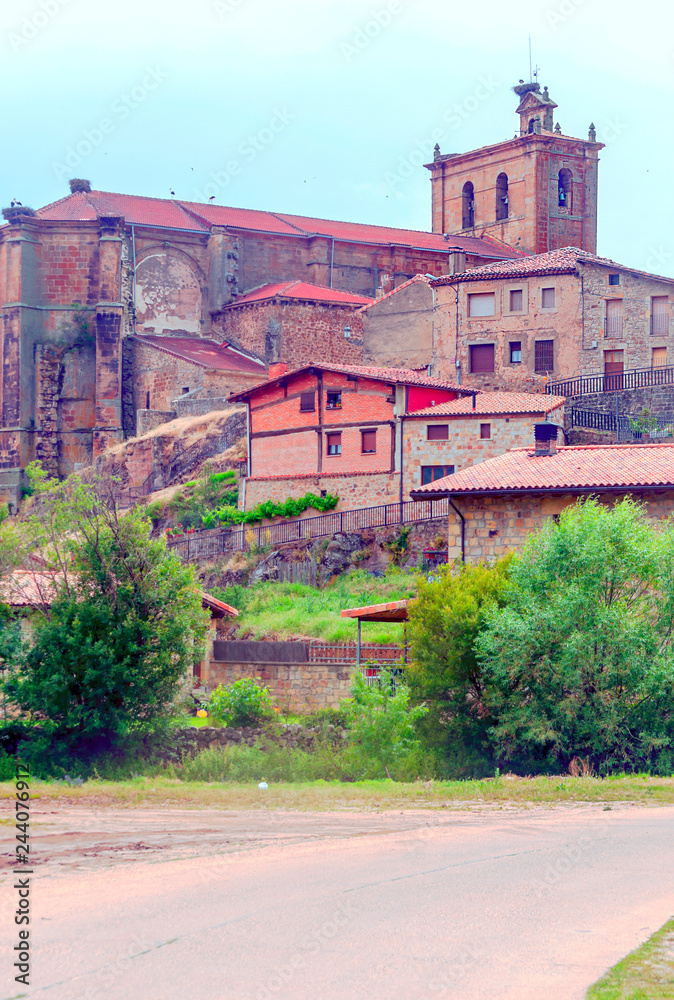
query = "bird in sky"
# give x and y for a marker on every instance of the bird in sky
(173, 193)
(15, 203)
(212, 198)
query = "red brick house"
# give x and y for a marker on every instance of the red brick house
(334, 428)
(499, 503)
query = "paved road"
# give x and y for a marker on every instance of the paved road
(521, 905)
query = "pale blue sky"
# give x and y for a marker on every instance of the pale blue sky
(320, 107)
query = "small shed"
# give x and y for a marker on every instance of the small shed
(394, 611)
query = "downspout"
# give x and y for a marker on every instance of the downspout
(332, 260)
(457, 365)
(402, 492)
(463, 529)
(249, 460)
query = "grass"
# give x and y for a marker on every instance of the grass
(286, 610)
(646, 974)
(325, 796)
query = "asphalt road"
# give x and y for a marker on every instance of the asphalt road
(520, 905)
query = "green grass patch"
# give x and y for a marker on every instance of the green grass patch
(293, 609)
(646, 974)
(166, 789)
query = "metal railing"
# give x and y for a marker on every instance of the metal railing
(593, 419)
(659, 326)
(633, 378)
(613, 326)
(210, 544)
(329, 653)
(627, 428)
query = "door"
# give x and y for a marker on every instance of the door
(614, 366)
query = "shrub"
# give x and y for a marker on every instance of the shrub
(381, 721)
(269, 509)
(241, 703)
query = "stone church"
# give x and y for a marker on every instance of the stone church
(114, 304)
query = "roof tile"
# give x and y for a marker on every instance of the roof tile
(493, 404)
(303, 290)
(205, 353)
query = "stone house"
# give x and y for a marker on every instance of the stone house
(163, 373)
(334, 428)
(497, 504)
(296, 321)
(441, 440)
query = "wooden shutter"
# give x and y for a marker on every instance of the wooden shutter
(368, 442)
(660, 315)
(308, 401)
(482, 358)
(437, 432)
(482, 304)
(659, 357)
(544, 359)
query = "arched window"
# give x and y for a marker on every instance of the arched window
(468, 206)
(501, 197)
(532, 125)
(565, 189)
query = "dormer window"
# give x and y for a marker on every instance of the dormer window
(333, 401)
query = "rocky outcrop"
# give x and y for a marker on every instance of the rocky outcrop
(189, 741)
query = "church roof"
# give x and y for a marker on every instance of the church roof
(205, 353)
(169, 213)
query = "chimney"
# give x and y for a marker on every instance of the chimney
(277, 369)
(546, 439)
(474, 399)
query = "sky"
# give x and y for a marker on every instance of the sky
(330, 107)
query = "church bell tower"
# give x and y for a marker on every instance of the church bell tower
(536, 191)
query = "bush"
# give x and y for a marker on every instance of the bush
(269, 509)
(242, 703)
(381, 721)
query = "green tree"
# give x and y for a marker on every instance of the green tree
(123, 621)
(444, 622)
(579, 661)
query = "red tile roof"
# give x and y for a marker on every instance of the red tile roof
(562, 261)
(393, 611)
(169, 213)
(581, 469)
(205, 353)
(493, 404)
(394, 376)
(417, 279)
(304, 290)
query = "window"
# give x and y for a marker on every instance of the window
(659, 315)
(515, 352)
(614, 366)
(485, 431)
(186, 389)
(482, 358)
(614, 279)
(545, 356)
(334, 442)
(429, 473)
(333, 401)
(467, 206)
(147, 400)
(483, 304)
(565, 189)
(548, 298)
(613, 321)
(437, 432)
(516, 300)
(501, 197)
(307, 401)
(368, 442)
(659, 359)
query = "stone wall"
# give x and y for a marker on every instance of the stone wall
(296, 686)
(658, 399)
(367, 489)
(496, 525)
(398, 328)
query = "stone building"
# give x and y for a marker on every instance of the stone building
(536, 191)
(444, 439)
(81, 275)
(499, 503)
(516, 325)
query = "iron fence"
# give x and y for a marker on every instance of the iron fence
(633, 378)
(627, 427)
(213, 543)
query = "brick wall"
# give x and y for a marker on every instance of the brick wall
(296, 332)
(357, 490)
(465, 446)
(496, 525)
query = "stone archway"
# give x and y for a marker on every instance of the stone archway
(169, 294)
